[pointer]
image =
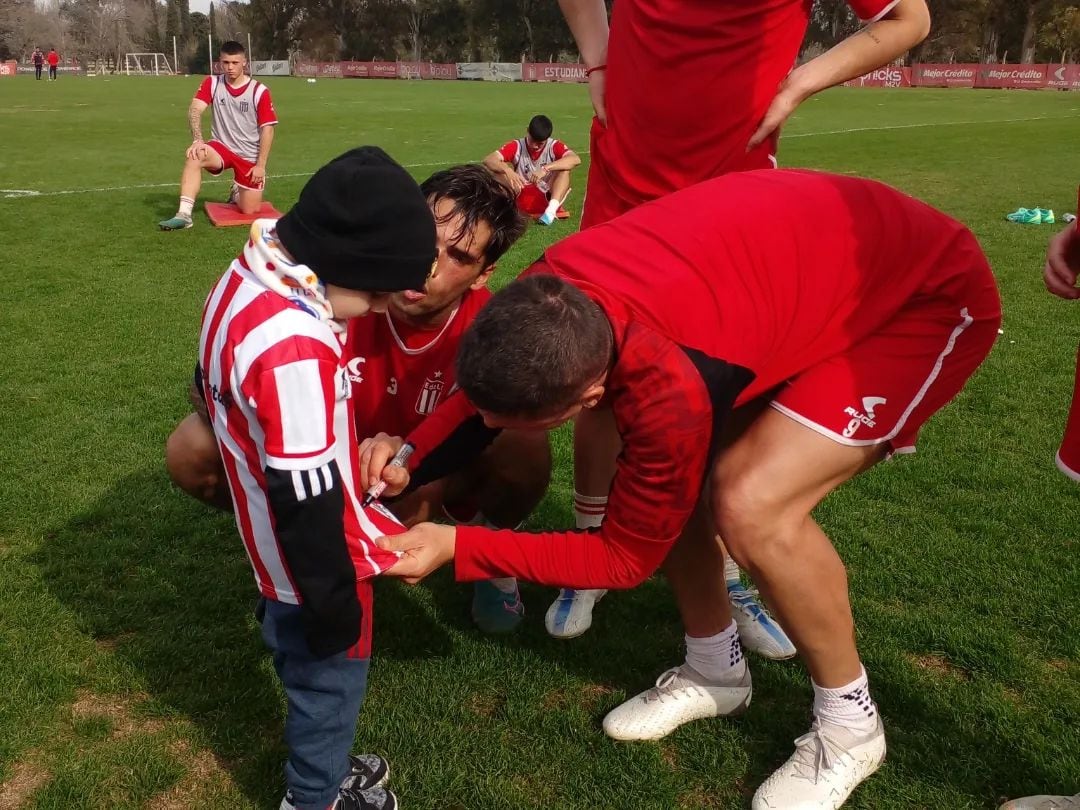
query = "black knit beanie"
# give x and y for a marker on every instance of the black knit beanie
(362, 223)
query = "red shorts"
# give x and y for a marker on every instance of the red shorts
(532, 200)
(883, 389)
(241, 167)
(1068, 456)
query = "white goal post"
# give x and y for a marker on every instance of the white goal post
(147, 64)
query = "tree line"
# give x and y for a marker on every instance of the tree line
(471, 30)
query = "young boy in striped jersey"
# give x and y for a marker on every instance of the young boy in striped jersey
(276, 391)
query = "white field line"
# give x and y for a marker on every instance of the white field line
(10, 193)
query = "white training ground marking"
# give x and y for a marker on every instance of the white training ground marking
(924, 124)
(11, 193)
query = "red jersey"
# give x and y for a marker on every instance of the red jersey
(688, 83)
(398, 373)
(710, 308)
(54, 58)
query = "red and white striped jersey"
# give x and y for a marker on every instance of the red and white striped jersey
(277, 393)
(239, 113)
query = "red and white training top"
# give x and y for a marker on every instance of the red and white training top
(239, 113)
(526, 161)
(277, 394)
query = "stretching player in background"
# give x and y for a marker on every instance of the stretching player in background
(240, 137)
(537, 169)
(684, 92)
(401, 366)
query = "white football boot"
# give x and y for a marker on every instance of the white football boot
(829, 762)
(680, 696)
(1044, 803)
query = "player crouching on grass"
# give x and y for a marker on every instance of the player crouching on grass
(838, 337)
(401, 366)
(537, 169)
(276, 389)
(240, 137)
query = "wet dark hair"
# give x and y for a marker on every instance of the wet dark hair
(534, 349)
(478, 197)
(232, 48)
(540, 128)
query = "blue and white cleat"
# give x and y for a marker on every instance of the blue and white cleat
(570, 614)
(758, 631)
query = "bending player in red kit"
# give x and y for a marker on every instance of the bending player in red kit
(778, 359)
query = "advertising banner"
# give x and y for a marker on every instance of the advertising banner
(490, 71)
(553, 72)
(1063, 76)
(1023, 77)
(270, 67)
(939, 75)
(883, 77)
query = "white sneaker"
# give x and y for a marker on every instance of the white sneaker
(829, 762)
(758, 631)
(570, 614)
(681, 694)
(1044, 803)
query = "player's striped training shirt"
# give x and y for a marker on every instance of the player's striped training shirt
(277, 394)
(239, 113)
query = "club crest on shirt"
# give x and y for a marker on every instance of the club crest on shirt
(430, 393)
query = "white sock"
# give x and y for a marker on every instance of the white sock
(589, 510)
(850, 706)
(719, 658)
(732, 574)
(186, 204)
(552, 208)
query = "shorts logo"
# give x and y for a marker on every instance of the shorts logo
(354, 369)
(864, 417)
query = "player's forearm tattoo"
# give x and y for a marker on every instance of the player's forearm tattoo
(195, 122)
(870, 33)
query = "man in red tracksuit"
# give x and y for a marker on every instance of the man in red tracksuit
(833, 340)
(53, 58)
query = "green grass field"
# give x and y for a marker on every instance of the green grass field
(131, 672)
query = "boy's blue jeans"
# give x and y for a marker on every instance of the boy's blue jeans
(324, 697)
